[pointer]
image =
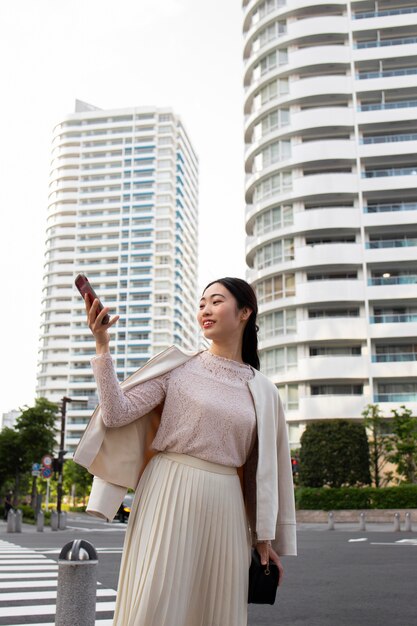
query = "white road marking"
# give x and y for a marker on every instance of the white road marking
(22, 571)
(45, 595)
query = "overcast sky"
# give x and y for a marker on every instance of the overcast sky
(185, 54)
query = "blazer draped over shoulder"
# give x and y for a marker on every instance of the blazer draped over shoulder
(117, 457)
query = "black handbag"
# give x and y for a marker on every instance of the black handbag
(263, 581)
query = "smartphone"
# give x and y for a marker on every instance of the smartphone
(84, 287)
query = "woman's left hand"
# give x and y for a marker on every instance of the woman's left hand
(266, 552)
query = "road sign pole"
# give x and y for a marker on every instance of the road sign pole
(48, 480)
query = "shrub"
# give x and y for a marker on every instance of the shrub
(329, 499)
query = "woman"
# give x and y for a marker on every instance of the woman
(188, 547)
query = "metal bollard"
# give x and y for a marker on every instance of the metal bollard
(362, 521)
(40, 522)
(62, 524)
(11, 521)
(18, 528)
(330, 524)
(408, 526)
(77, 584)
(54, 520)
(397, 526)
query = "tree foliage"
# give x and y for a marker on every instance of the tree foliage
(404, 440)
(37, 429)
(379, 444)
(334, 453)
(77, 475)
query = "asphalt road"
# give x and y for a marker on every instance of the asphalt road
(339, 578)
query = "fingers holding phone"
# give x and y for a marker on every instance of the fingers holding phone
(98, 318)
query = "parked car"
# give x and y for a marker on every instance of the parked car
(123, 513)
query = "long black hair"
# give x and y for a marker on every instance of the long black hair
(245, 297)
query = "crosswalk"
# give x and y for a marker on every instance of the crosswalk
(28, 589)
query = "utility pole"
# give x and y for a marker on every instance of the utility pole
(61, 452)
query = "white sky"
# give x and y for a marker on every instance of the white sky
(185, 54)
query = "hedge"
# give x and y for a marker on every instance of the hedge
(330, 499)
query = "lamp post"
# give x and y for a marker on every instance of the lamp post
(61, 452)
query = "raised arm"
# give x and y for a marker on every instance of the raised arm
(120, 407)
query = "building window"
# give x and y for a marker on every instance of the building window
(277, 323)
(278, 217)
(319, 313)
(274, 153)
(336, 390)
(278, 360)
(276, 287)
(335, 350)
(275, 252)
(275, 184)
(289, 396)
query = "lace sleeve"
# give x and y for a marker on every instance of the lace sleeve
(118, 407)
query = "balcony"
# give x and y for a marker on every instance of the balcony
(328, 254)
(331, 291)
(397, 41)
(334, 328)
(328, 367)
(391, 243)
(383, 13)
(394, 357)
(410, 279)
(330, 407)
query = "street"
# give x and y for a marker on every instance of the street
(344, 577)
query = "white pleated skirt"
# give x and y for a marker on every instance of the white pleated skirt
(187, 549)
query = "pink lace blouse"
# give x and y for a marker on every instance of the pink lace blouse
(208, 408)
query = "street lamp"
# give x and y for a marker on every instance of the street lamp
(61, 452)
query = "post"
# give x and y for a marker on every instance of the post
(40, 522)
(18, 526)
(408, 526)
(62, 520)
(77, 584)
(54, 520)
(11, 521)
(61, 452)
(397, 526)
(330, 525)
(362, 521)
(47, 494)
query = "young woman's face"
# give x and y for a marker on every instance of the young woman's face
(218, 314)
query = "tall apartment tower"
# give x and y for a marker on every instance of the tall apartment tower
(123, 209)
(331, 201)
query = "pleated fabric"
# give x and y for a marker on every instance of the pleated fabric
(187, 549)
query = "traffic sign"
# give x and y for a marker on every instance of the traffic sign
(46, 460)
(36, 467)
(35, 472)
(46, 472)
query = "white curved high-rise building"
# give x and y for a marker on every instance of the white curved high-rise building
(331, 195)
(123, 209)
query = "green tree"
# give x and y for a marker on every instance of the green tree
(37, 430)
(11, 461)
(404, 453)
(77, 475)
(334, 453)
(379, 443)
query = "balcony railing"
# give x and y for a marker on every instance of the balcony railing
(383, 13)
(393, 171)
(389, 138)
(394, 357)
(383, 208)
(382, 106)
(408, 71)
(410, 279)
(380, 43)
(391, 243)
(395, 397)
(399, 318)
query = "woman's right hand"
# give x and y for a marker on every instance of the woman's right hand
(99, 330)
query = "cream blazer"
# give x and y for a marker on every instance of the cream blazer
(117, 457)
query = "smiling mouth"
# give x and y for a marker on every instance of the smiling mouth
(208, 324)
